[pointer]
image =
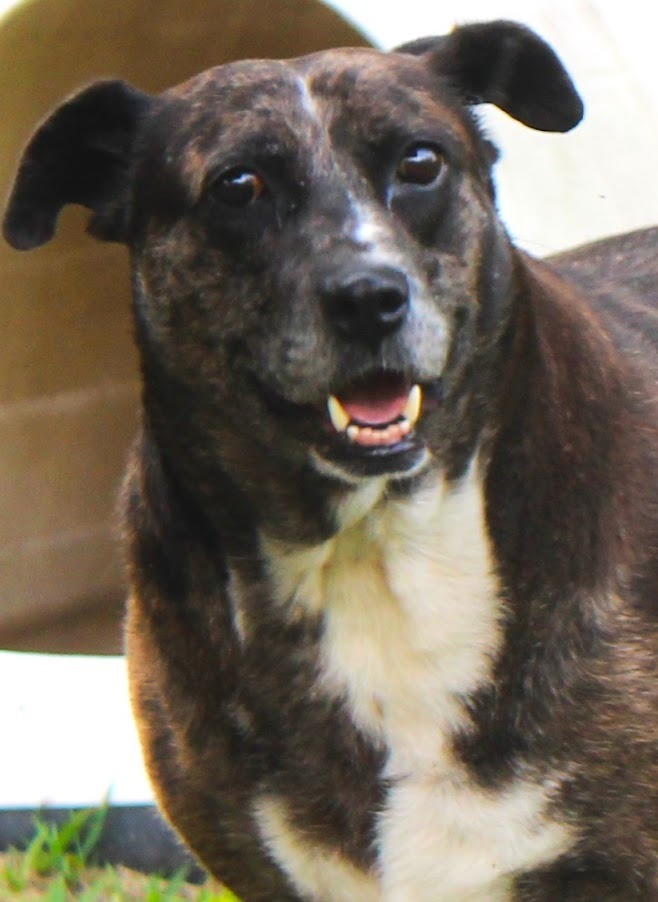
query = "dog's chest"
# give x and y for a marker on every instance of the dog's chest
(412, 624)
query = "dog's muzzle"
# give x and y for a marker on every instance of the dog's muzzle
(369, 417)
(366, 306)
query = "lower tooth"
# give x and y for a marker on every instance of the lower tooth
(389, 435)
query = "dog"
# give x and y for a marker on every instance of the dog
(392, 514)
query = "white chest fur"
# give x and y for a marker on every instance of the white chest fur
(412, 625)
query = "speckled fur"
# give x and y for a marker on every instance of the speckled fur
(408, 678)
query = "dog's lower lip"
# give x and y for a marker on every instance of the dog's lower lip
(384, 460)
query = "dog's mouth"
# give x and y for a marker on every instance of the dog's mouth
(379, 411)
(372, 424)
(367, 426)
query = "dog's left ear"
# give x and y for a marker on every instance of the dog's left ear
(81, 154)
(506, 64)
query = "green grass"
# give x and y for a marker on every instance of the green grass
(57, 866)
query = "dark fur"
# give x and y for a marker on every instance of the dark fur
(554, 379)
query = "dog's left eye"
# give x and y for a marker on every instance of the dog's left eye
(421, 165)
(238, 187)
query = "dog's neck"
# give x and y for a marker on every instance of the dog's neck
(405, 579)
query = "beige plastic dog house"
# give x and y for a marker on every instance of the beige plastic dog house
(68, 388)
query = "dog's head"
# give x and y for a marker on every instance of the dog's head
(318, 264)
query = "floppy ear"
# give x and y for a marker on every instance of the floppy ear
(506, 64)
(81, 154)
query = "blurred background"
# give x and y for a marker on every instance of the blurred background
(68, 389)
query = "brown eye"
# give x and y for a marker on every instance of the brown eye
(421, 165)
(238, 187)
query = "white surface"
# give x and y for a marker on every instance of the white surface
(68, 737)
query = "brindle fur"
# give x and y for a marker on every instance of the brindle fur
(548, 373)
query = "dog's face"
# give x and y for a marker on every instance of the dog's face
(317, 260)
(312, 246)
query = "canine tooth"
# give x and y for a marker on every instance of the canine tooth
(353, 432)
(411, 411)
(404, 426)
(339, 418)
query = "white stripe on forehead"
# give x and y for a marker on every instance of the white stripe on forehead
(369, 230)
(368, 227)
(308, 101)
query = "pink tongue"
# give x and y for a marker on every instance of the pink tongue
(377, 402)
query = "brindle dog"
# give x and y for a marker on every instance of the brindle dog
(393, 510)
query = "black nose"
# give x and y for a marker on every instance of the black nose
(366, 305)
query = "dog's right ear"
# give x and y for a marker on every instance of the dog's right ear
(81, 154)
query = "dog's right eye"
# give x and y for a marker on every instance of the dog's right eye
(421, 165)
(237, 187)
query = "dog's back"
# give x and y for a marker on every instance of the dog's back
(620, 276)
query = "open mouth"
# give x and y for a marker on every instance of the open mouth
(370, 423)
(379, 411)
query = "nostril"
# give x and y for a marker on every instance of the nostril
(392, 304)
(344, 311)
